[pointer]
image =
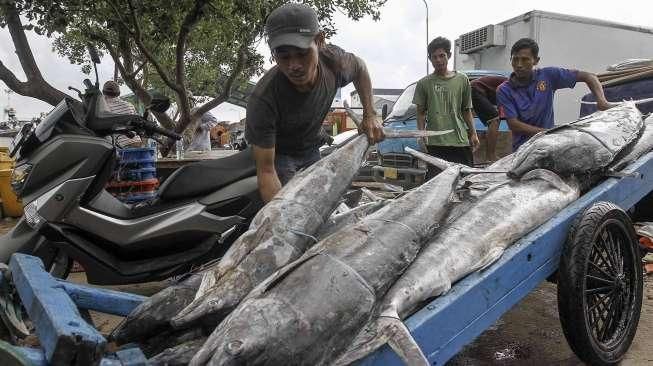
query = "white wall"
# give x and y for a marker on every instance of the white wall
(565, 43)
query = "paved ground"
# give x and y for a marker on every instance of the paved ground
(529, 334)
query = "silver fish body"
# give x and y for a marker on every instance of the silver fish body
(309, 311)
(643, 145)
(474, 240)
(584, 146)
(280, 233)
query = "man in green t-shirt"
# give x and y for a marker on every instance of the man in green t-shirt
(444, 102)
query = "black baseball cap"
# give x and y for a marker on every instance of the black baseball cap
(291, 25)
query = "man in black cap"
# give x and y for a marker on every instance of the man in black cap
(287, 107)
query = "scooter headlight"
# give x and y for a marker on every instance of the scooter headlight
(19, 176)
(32, 217)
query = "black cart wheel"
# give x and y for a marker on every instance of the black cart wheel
(600, 285)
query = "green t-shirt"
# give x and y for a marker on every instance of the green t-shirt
(445, 99)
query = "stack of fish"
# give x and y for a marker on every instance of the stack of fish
(283, 296)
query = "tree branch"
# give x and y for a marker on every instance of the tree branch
(35, 86)
(139, 91)
(12, 81)
(190, 20)
(148, 55)
(226, 90)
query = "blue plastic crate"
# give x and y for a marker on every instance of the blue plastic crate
(137, 164)
(137, 155)
(137, 174)
(139, 197)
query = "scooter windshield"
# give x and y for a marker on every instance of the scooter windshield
(44, 129)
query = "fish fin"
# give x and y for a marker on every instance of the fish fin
(548, 176)
(403, 343)
(488, 259)
(209, 279)
(280, 274)
(234, 256)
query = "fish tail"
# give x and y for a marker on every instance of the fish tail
(386, 329)
(403, 343)
(367, 341)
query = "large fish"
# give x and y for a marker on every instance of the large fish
(279, 233)
(309, 311)
(473, 186)
(471, 242)
(153, 315)
(581, 147)
(339, 221)
(641, 147)
(295, 215)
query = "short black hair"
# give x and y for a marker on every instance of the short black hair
(523, 44)
(439, 42)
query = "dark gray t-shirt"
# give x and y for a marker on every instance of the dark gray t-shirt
(280, 116)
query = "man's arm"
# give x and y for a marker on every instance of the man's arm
(517, 126)
(371, 126)
(268, 181)
(421, 117)
(468, 116)
(421, 124)
(492, 137)
(595, 87)
(508, 110)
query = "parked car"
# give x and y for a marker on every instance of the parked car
(394, 165)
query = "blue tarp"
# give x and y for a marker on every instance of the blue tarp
(634, 90)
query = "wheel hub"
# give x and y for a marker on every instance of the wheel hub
(620, 282)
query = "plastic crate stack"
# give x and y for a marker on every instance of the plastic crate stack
(135, 179)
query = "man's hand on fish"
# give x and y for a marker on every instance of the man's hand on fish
(603, 104)
(372, 128)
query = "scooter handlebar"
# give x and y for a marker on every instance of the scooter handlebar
(162, 131)
(152, 128)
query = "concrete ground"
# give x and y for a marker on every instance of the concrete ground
(529, 334)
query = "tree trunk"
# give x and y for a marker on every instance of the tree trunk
(35, 86)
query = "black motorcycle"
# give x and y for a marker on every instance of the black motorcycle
(62, 168)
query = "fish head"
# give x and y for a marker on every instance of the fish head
(259, 331)
(537, 155)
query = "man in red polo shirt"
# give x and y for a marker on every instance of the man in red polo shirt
(484, 100)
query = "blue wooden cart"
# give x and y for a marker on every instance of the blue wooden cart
(441, 328)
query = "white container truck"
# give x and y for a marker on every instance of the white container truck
(566, 41)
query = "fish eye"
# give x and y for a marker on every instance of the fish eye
(234, 348)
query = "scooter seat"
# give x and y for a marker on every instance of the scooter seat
(207, 176)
